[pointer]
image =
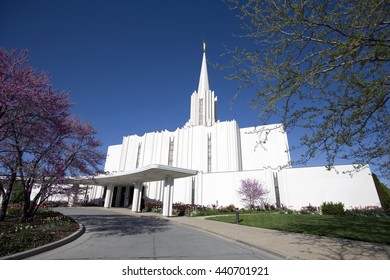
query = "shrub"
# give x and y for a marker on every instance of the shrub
(14, 210)
(269, 207)
(310, 209)
(153, 207)
(17, 195)
(179, 209)
(367, 211)
(330, 208)
(229, 209)
(383, 193)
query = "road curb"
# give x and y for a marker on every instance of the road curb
(47, 247)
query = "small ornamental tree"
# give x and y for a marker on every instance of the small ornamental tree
(252, 193)
(41, 143)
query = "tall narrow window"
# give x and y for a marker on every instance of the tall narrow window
(209, 152)
(277, 195)
(138, 155)
(200, 111)
(193, 191)
(170, 154)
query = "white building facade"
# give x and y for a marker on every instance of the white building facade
(223, 154)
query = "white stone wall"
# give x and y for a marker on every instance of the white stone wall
(95, 194)
(221, 188)
(298, 187)
(264, 147)
(190, 149)
(236, 154)
(315, 185)
(113, 158)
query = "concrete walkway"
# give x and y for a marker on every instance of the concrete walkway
(116, 235)
(287, 245)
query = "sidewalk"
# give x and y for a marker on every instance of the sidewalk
(285, 244)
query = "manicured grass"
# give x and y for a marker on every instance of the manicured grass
(372, 229)
(46, 227)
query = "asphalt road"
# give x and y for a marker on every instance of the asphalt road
(113, 236)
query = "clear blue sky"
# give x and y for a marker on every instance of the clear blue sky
(131, 66)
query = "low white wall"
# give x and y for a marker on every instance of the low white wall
(300, 187)
(221, 188)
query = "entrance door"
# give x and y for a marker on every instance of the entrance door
(131, 194)
(122, 198)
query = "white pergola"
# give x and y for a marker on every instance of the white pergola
(150, 173)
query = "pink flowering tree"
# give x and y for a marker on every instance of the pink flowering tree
(40, 142)
(74, 154)
(252, 193)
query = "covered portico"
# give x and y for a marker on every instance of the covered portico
(150, 173)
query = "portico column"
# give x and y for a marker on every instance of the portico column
(108, 199)
(136, 206)
(168, 197)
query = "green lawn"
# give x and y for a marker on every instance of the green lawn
(372, 229)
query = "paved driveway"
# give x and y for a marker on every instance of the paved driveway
(111, 235)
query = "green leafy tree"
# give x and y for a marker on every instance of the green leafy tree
(322, 66)
(383, 193)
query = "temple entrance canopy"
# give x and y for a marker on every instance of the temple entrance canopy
(150, 173)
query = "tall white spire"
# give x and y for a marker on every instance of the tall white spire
(203, 79)
(203, 102)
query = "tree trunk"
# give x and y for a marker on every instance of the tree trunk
(6, 193)
(34, 204)
(26, 206)
(30, 206)
(4, 206)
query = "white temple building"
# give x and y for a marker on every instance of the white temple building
(204, 162)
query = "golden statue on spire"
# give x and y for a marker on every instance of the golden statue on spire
(204, 46)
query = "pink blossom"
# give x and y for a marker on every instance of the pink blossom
(252, 192)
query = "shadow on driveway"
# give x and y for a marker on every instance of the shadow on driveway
(119, 225)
